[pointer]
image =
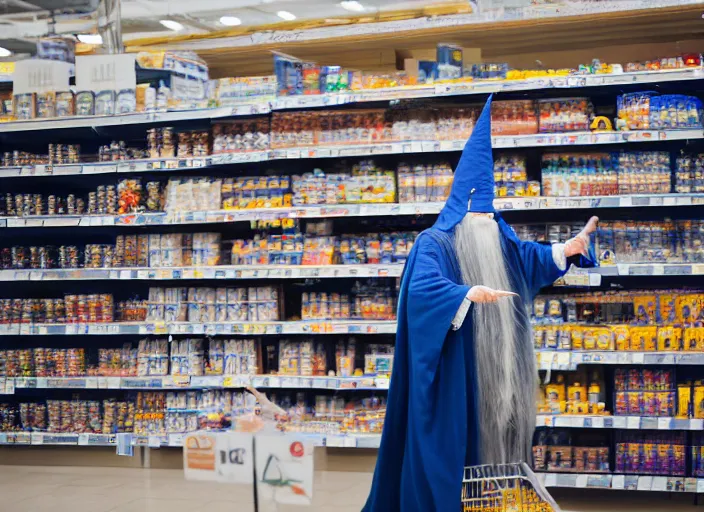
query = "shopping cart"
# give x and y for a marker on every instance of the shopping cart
(504, 488)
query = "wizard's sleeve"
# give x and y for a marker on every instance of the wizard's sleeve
(433, 301)
(541, 265)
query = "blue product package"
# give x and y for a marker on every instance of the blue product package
(427, 71)
(289, 75)
(449, 61)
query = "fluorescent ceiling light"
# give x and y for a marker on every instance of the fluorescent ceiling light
(286, 15)
(4, 52)
(230, 21)
(172, 25)
(90, 38)
(352, 5)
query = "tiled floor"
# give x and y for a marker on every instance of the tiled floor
(74, 489)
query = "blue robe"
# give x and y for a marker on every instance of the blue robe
(431, 428)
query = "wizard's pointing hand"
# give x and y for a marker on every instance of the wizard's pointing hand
(580, 243)
(483, 294)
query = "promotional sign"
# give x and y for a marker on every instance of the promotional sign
(105, 72)
(219, 456)
(40, 76)
(284, 470)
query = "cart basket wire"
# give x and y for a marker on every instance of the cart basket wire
(504, 488)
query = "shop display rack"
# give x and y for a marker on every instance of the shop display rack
(294, 374)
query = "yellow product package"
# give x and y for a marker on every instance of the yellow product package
(590, 338)
(644, 338)
(539, 336)
(694, 339)
(669, 338)
(577, 337)
(604, 338)
(644, 306)
(622, 337)
(666, 308)
(698, 402)
(687, 309)
(684, 400)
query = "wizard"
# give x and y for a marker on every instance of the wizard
(463, 387)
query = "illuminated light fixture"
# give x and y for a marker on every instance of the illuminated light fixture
(172, 25)
(285, 15)
(90, 38)
(4, 52)
(352, 5)
(230, 21)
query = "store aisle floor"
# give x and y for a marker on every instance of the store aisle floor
(80, 489)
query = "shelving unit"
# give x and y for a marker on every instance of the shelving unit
(294, 280)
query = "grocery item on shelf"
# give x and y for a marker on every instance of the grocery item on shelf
(239, 135)
(515, 117)
(600, 174)
(570, 452)
(127, 197)
(368, 302)
(677, 62)
(299, 249)
(231, 91)
(422, 183)
(511, 178)
(651, 453)
(331, 414)
(57, 154)
(564, 115)
(697, 454)
(254, 304)
(631, 241)
(644, 393)
(487, 71)
(574, 393)
(366, 184)
(637, 241)
(689, 174)
(651, 111)
(70, 309)
(305, 358)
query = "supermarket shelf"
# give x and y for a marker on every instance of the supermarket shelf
(487, 87)
(569, 360)
(351, 150)
(623, 482)
(652, 269)
(212, 272)
(136, 118)
(331, 100)
(10, 384)
(172, 440)
(619, 422)
(346, 210)
(215, 328)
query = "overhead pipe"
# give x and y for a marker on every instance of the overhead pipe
(110, 26)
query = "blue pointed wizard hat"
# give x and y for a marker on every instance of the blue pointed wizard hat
(474, 176)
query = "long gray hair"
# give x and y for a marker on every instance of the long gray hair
(506, 367)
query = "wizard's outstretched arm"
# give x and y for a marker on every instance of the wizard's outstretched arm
(543, 263)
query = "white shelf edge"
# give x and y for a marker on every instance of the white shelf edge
(330, 100)
(346, 210)
(196, 328)
(616, 481)
(352, 150)
(206, 272)
(173, 439)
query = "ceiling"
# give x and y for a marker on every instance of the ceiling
(21, 19)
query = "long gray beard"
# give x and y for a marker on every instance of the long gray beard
(506, 367)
